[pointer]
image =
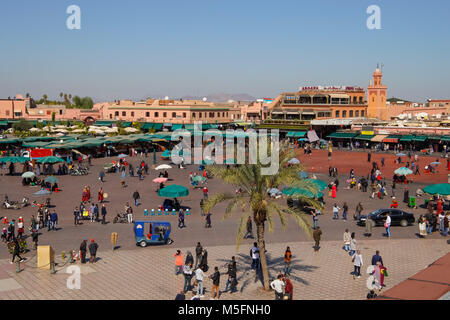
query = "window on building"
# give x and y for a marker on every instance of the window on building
(361, 100)
(357, 113)
(344, 114)
(184, 114)
(156, 114)
(206, 114)
(60, 112)
(199, 114)
(49, 112)
(354, 100)
(147, 114)
(7, 112)
(132, 113)
(351, 113)
(124, 113)
(193, 114)
(174, 114)
(337, 114)
(373, 99)
(116, 113)
(362, 113)
(110, 115)
(164, 114)
(223, 114)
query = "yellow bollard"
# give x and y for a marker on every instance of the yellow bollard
(114, 240)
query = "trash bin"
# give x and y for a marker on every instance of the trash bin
(412, 202)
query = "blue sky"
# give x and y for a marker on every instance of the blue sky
(138, 48)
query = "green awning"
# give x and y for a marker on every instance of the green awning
(177, 126)
(157, 126)
(342, 135)
(406, 138)
(420, 138)
(103, 123)
(147, 126)
(434, 138)
(296, 134)
(35, 144)
(367, 137)
(3, 123)
(9, 141)
(445, 138)
(126, 124)
(189, 126)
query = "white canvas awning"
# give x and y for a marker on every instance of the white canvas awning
(339, 95)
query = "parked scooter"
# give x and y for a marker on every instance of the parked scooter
(120, 218)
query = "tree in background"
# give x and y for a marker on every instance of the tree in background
(22, 125)
(45, 98)
(82, 103)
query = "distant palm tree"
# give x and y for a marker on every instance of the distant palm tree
(45, 98)
(27, 95)
(70, 96)
(255, 201)
(61, 95)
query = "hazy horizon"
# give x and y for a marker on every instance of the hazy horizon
(134, 50)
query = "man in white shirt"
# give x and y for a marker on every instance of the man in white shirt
(278, 285)
(357, 263)
(336, 212)
(254, 253)
(199, 278)
(387, 225)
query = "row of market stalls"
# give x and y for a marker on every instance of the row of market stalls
(393, 139)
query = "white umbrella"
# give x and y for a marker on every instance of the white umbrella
(78, 131)
(130, 129)
(35, 129)
(163, 166)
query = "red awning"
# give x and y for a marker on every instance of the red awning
(390, 140)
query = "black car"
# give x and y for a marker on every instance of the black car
(378, 217)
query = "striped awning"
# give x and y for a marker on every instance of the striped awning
(379, 138)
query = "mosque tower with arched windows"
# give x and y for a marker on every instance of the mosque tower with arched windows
(376, 97)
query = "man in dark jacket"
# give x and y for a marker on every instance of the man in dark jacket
(198, 254)
(76, 216)
(136, 198)
(376, 257)
(216, 282)
(231, 278)
(103, 214)
(83, 249)
(53, 220)
(16, 252)
(93, 251)
(316, 235)
(34, 237)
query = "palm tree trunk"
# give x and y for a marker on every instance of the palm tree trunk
(262, 255)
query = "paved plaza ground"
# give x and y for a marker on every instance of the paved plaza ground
(130, 271)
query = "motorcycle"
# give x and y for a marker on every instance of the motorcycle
(7, 204)
(120, 218)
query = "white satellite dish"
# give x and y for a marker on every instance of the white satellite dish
(204, 99)
(166, 98)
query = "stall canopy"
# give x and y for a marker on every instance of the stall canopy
(177, 126)
(392, 138)
(367, 137)
(445, 138)
(147, 126)
(420, 138)
(157, 126)
(379, 138)
(406, 138)
(342, 135)
(296, 134)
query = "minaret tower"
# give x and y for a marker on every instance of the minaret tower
(376, 97)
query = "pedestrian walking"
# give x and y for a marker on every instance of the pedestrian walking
(35, 237)
(232, 278)
(205, 193)
(315, 217)
(16, 251)
(359, 209)
(289, 288)
(76, 216)
(368, 225)
(422, 223)
(336, 212)
(254, 254)
(344, 212)
(387, 225)
(352, 244)
(187, 273)
(208, 220)
(178, 262)
(101, 175)
(189, 258)
(199, 275)
(198, 254)
(249, 232)
(100, 196)
(347, 240)
(104, 214)
(287, 261)
(83, 250)
(201, 207)
(316, 236)
(181, 219)
(93, 246)
(278, 285)
(215, 277)
(446, 224)
(204, 260)
(136, 198)
(357, 264)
